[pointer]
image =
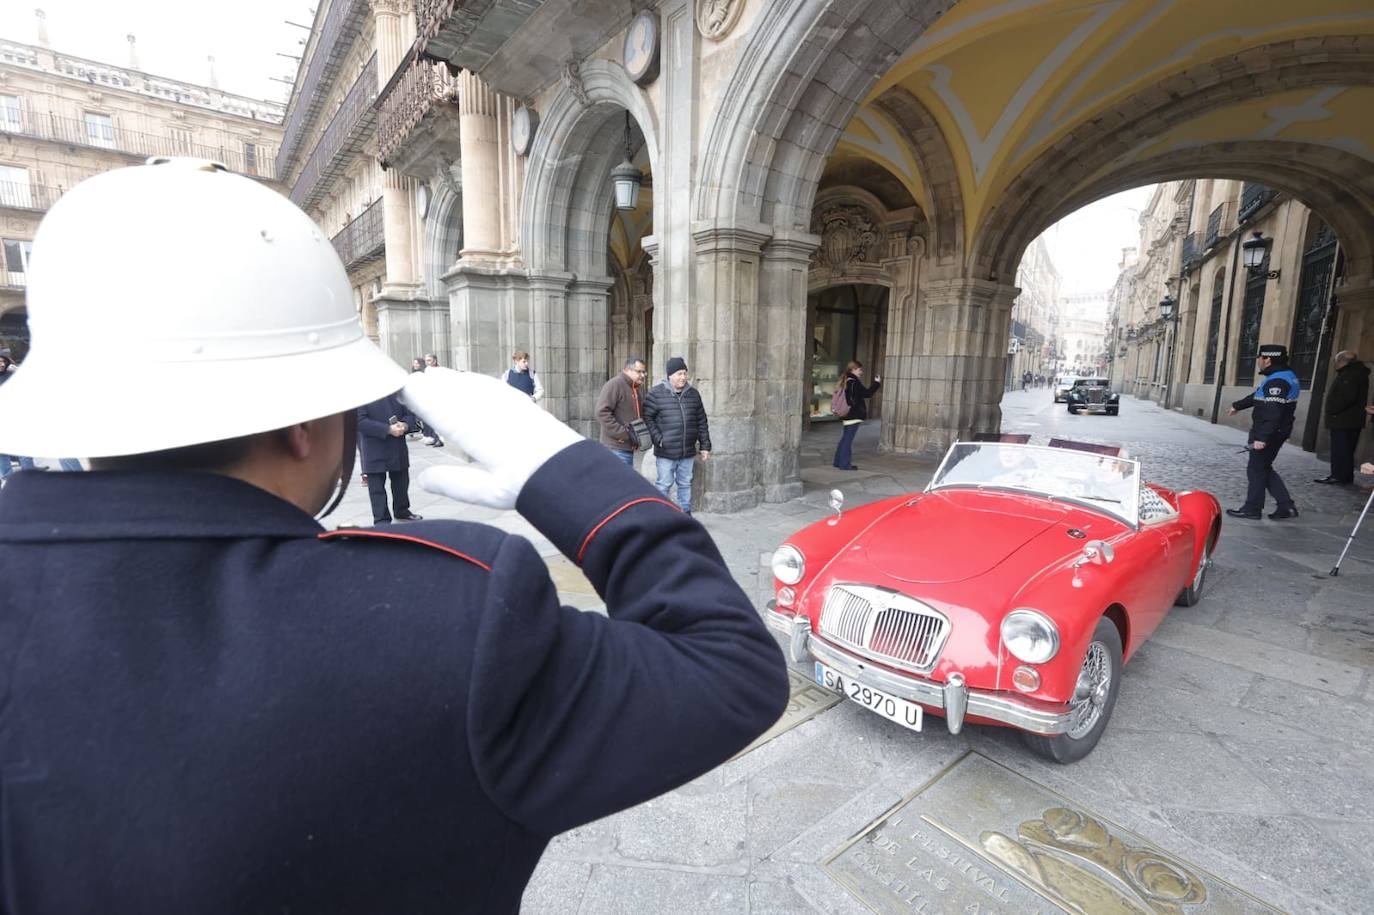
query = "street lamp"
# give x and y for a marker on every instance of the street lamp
(626, 178)
(1166, 307)
(1254, 253)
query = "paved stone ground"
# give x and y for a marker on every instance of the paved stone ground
(1242, 741)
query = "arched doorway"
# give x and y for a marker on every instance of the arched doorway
(583, 255)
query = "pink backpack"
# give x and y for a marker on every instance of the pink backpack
(839, 404)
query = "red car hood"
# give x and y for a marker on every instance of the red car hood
(943, 537)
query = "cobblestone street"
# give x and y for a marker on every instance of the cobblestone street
(1240, 744)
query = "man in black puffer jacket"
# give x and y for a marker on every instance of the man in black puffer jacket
(676, 418)
(1345, 415)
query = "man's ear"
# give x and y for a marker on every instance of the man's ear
(300, 438)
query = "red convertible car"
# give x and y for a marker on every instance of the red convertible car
(1010, 592)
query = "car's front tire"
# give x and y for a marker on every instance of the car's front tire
(1111, 411)
(1192, 592)
(1094, 697)
(1072, 410)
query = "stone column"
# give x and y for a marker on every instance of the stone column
(782, 365)
(478, 133)
(391, 20)
(903, 326)
(725, 327)
(945, 364)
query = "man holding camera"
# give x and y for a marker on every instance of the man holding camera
(382, 428)
(210, 703)
(620, 411)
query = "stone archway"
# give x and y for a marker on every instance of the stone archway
(565, 221)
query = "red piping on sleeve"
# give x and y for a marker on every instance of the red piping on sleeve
(582, 551)
(382, 535)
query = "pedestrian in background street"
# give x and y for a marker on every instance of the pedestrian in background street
(1274, 402)
(523, 378)
(382, 428)
(677, 424)
(618, 406)
(856, 395)
(1345, 415)
(210, 704)
(429, 436)
(417, 365)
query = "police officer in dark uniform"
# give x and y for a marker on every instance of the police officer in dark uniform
(211, 704)
(1274, 402)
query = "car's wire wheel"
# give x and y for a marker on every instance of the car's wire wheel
(1091, 692)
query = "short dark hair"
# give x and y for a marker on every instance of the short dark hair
(629, 363)
(206, 456)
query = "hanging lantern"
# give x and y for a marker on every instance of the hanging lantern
(626, 178)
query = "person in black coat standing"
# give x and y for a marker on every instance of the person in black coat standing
(382, 428)
(676, 418)
(856, 395)
(1345, 416)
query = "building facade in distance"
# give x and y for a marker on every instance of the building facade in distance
(64, 119)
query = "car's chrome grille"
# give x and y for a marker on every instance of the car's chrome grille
(885, 624)
(1097, 395)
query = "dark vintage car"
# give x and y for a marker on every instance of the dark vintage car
(1093, 395)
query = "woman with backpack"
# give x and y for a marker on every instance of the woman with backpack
(849, 404)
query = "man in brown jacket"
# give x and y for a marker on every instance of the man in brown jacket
(617, 406)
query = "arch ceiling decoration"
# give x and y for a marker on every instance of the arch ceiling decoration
(1020, 88)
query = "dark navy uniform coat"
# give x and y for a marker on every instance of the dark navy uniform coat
(381, 450)
(210, 705)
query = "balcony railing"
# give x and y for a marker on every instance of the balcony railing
(136, 144)
(425, 88)
(341, 25)
(363, 239)
(347, 131)
(1192, 250)
(1252, 197)
(16, 195)
(1216, 226)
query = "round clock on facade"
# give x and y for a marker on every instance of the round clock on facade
(641, 48)
(522, 127)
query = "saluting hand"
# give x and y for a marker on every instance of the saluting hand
(507, 435)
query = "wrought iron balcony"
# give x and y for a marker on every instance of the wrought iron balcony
(424, 94)
(342, 23)
(1253, 197)
(16, 195)
(248, 160)
(1192, 250)
(1217, 225)
(344, 137)
(364, 239)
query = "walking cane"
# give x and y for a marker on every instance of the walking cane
(1336, 569)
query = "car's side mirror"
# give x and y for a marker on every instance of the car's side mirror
(1096, 553)
(836, 505)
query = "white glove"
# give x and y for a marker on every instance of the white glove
(507, 436)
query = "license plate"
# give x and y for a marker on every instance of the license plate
(904, 712)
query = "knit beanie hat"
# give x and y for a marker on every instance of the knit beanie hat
(677, 364)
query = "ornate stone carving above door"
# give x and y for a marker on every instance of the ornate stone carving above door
(849, 235)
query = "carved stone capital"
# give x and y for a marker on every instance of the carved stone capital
(392, 7)
(715, 18)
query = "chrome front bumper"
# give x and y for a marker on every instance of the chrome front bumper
(953, 697)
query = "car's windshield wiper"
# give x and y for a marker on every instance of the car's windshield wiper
(1102, 499)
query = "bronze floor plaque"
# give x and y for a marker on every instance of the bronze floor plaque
(807, 700)
(981, 839)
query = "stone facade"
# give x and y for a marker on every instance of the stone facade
(1035, 316)
(820, 183)
(64, 119)
(1202, 357)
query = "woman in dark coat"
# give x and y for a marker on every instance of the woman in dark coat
(856, 395)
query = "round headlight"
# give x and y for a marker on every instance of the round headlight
(1030, 636)
(788, 564)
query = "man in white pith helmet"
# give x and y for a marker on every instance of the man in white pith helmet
(211, 704)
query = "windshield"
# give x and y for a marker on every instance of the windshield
(1108, 484)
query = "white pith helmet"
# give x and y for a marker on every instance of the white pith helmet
(176, 303)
